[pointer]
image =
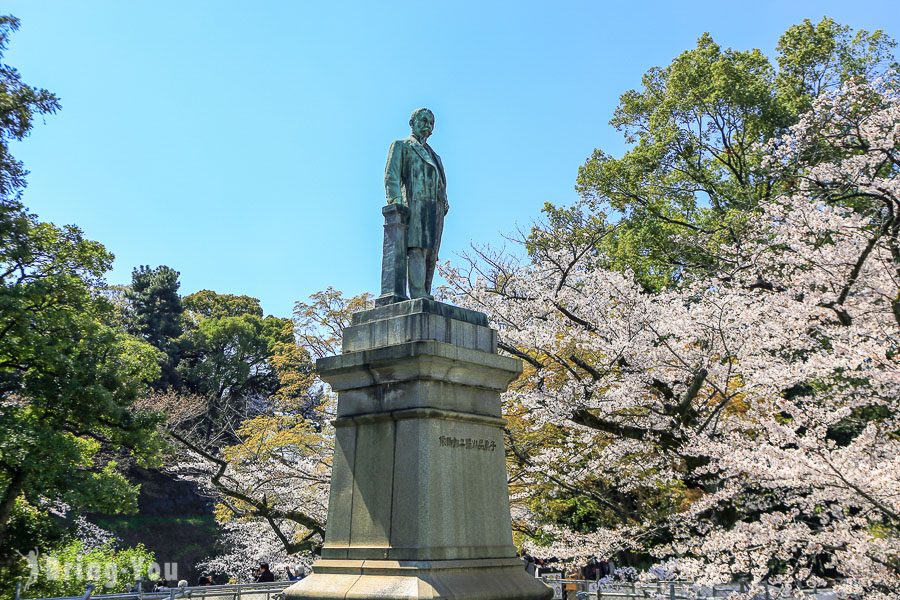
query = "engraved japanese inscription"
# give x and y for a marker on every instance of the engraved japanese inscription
(468, 443)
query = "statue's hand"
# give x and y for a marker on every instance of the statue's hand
(446, 207)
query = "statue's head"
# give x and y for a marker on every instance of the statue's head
(422, 123)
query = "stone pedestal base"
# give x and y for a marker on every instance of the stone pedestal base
(418, 506)
(481, 579)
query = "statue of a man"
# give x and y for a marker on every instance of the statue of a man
(414, 177)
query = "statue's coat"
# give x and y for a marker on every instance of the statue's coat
(414, 177)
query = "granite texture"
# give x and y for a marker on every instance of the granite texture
(415, 362)
(419, 305)
(486, 579)
(419, 326)
(419, 506)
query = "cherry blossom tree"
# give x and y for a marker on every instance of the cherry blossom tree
(268, 474)
(741, 425)
(246, 545)
(269, 471)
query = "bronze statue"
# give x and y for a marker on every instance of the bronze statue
(414, 178)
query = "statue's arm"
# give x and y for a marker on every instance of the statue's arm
(444, 202)
(392, 173)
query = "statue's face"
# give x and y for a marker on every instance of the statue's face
(422, 126)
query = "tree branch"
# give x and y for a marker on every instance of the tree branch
(261, 507)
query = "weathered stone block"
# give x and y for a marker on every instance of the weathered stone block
(419, 320)
(419, 505)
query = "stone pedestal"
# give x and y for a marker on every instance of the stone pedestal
(419, 505)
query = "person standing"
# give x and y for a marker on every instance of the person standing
(263, 574)
(414, 177)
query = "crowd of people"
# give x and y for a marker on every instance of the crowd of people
(594, 570)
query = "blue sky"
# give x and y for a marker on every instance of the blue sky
(243, 143)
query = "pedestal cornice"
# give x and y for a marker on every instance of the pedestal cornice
(419, 360)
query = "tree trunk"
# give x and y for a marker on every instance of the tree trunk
(16, 483)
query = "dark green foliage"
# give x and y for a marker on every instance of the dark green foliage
(692, 174)
(155, 304)
(67, 377)
(19, 103)
(155, 313)
(228, 352)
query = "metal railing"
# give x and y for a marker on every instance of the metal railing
(235, 591)
(662, 590)
(583, 590)
(592, 590)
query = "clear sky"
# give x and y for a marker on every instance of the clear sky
(243, 143)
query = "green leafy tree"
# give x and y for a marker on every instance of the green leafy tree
(67, 377)
(695, 127)
(68, 569)
(155, 313)
(19, 103)
(207, 304)
(255, 424)
(229, 357)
